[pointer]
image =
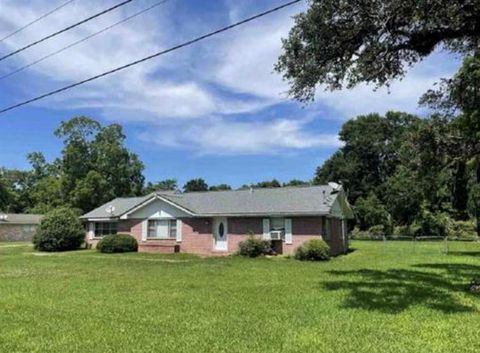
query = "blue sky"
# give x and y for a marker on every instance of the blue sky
(215, 110)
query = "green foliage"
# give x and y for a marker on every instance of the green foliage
(370, 152)
(220, 187)
(274, 183)
(428, 223)
(254, 247)
(59, 230)
(297, 182)
(195, 185)
(402, 194)
(339, 44)
(377, 230)
(117, 243)
(371, 212)
(462, 230)
(163, 185)
(313, 250)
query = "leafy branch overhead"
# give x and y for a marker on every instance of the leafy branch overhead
(341, 43)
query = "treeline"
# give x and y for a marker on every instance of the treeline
(416, 176)
(95, 166)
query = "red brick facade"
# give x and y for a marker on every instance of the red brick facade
(197, 235)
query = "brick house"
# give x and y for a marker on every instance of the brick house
(18, 227)
(214, 222)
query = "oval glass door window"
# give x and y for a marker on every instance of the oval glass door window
(221, 230)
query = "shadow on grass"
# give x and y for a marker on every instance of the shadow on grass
(395, 290)
(464, 253)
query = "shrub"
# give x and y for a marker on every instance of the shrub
(377, 231)
(373, 233)
(359, 234)
(117, 243)
(428, 223)
(370, 212)
(59, 230)
(254, 247)
(402, 231)
(313, 250)
(462, 230)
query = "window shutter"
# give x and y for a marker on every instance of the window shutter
(91, 230)
(144, 230)
(266, 229)
(288, 231)
(179, 230)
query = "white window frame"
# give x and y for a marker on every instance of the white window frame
(112, 230)
(171, 224)
(282, 229)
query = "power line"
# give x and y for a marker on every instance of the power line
(83, 40)
(36, 20)
(66, 29)
(179, 46)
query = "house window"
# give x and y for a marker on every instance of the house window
(162, 229)
(105, 228)
(325, 228)
(277, 228)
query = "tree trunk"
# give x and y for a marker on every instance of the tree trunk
(460, 190)
(477, 197)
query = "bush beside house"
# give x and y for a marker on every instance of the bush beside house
(313, 250)
(254, 247)
(117, 243)
(59, 230)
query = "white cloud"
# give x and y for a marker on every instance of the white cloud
(220, 137)
(191, 97)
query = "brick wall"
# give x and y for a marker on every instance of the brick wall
(17, 232)
(197, 235)
(336, 241)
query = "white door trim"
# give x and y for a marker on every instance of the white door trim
(220, 243)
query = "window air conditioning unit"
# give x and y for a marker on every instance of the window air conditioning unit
(276, 234)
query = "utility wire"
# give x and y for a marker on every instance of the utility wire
(179, 46)
(65, 29)
(83, 40)
(36, 20)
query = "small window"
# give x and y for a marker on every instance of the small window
(105, 228)
(172, 231)
(325, 228)
(277, 224)
(277, 228)
(162, 229)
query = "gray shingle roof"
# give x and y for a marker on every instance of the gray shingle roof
(17, 218)
(288, 200)
(312, 200)
(121, 205)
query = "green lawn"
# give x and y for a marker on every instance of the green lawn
(396, 297)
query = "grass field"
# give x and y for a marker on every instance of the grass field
(393, 297)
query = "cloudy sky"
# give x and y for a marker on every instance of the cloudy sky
(214, 110)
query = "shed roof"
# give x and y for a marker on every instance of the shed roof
(18, 218)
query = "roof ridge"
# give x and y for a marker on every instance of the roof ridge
(254, 188)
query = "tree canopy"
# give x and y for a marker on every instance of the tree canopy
(195, 185)
(341, 43)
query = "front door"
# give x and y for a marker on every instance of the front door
(220, 234)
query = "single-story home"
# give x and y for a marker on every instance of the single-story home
(214, 222)
(18, 227)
